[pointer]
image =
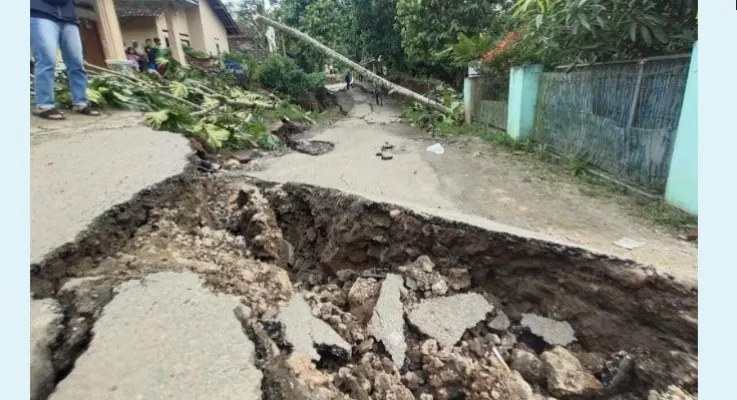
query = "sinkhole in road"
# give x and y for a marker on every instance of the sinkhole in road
(344, 297)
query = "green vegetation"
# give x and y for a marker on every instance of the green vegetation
(564, 31)
(283, 75)
(213, 108)
(591, 183)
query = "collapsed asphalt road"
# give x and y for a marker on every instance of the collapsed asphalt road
(219, 287)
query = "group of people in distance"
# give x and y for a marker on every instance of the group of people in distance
(376, 88)
(144, 58)
(54, 26)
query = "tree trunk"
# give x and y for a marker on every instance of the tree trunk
(394, 88)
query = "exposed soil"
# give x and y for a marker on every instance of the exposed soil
(635, 328)
(478, 178)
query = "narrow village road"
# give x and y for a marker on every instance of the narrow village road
(473, 180)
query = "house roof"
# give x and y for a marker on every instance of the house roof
(224, 16)
(151, 8)
(154, 4)
(127, 11)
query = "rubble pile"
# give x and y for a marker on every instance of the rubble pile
(341, 330)
(418, 334)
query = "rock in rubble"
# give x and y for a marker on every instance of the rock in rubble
(553, 332)
(46, 326)
(447, 318)
(566, 377)
(421, 276)
(305, 332)
(672, 393)
(412, 380)
(459, 279)
(673, 368)
(500, 323)
(85, 299)
(616, 372)
(362, 298)
(528, 365)
(592, 361)
(259, 227)
(284, 379)
(88, 295)
(389, 387)
(387, 322)
(305, 370)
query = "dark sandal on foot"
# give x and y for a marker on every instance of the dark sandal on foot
(86, 110)
(51, 114)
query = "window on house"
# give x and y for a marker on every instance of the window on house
(185, 43)
(166, 40)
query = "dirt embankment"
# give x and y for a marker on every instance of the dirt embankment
(349, 298)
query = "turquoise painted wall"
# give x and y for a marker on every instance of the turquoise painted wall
(683, 181)
(523, 85)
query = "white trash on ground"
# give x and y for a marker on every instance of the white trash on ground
(629, 244)
(437, 148)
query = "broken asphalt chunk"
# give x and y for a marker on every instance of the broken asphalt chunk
(387, 321)
(551, 331)
(447, 318)
(306, 333)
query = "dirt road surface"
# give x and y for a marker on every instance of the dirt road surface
(476, 179)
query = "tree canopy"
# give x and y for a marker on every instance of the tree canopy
(437, 37)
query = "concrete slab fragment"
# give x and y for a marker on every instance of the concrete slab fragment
(551, 331)
(387, 322)
(165, 337)
(304, 331)
(46, 325)
(447, 318)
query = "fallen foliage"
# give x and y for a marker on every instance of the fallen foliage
(211, 107)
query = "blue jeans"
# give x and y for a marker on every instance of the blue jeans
(46, 37)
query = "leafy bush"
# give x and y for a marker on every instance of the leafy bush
(192, 52)
(423, 117)
(285, 76)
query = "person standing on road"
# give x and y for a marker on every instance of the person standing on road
(54, 26)
(378, 93)
(151, 54)
(142, 58)
(348, 79)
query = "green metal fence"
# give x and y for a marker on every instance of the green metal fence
(621, 117)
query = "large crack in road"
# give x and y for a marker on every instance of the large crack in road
(159, 288)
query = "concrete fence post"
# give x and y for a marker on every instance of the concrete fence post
(471, 97)
(682, 188)
(523, 86)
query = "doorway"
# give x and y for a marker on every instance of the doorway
(91, 43)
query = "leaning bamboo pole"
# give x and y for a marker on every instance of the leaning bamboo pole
(392, 87)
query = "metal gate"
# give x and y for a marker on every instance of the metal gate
(492, 108)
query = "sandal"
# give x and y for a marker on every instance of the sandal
(51, 114)
(86, 110)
